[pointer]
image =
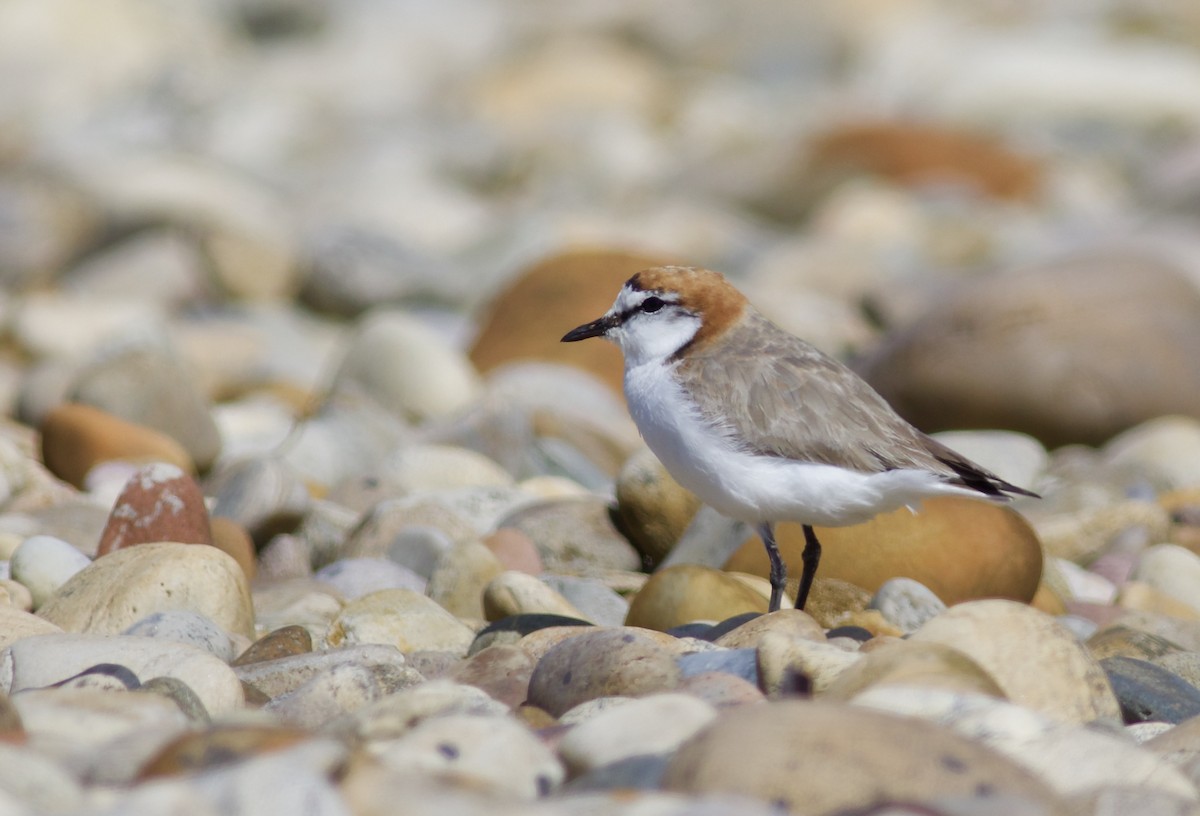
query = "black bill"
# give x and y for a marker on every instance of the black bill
(597, 328)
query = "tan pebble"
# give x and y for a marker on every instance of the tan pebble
(1047, 600)
(1085, 534)
(689, 592)
(959, 548)
(601, 663)
(832, 601)
(515, 550)
(402, 618)
(128, 584)
(15, 594)
(904, 662)
(503, 671)
(219, 745)
(815, 758)
(1035, 660)
(460, 577)
(654, 510)
(721, 689)
(553, 487)
(284, 642)
(791, 622)
(517, 593)
(1121, 641)
(574, 535)
(77, 437)
(232, 539)
(20, 623)
(874, 622)
(1145, 598)
(538, 642)
(782, 659)
(656, 724)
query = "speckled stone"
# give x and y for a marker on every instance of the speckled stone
(159, 503)
(401, 618)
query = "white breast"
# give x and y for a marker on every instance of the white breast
(704, 458)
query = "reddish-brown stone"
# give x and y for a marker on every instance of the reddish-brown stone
(159, 503)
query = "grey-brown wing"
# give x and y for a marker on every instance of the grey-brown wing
(783, 397)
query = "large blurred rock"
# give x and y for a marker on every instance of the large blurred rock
(1071, 351)
(544, 302)
(960, 548)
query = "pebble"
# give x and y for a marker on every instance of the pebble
(913, 663)
(44, 563)
(653, 509)
(192, 628)
(515, 550)
(402, 618)
(300, 601)
(16, 624)
(1171, 569)
(742, 663)
(785, 662)
(494, 753)
(600, 603)
(142, 383)
(960, 549)
(339, 690)
(907, 604)
(681, 594)
(574, 535)
(1033, 659)
(406, 368)
(76, 438)
(38, 782)
(263, 495)
(502, 670)
(283, 642)
(282, 675)
(1166, 449)
(232, 539)
(600, 663)
(396, 714)
(818, 757)
(516, 627)
(656, 724)
(355, 577)
(1150, 693)
(517, 593)
(42, 660)
(159, 503)
(461, 577)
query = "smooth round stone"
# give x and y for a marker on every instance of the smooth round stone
(44, 563)
(1167, 448)
(401, 618)
(1085, 534)
(574, 535)
(1173, 570)
(342, 689)
(1122, 641)
(187, 627)
(355, 577)
(783, 659)
(15, 595)
(515, 550)
(575, 286)
(263, 494)
(515, 627)
(77, 437)
(283, 675)
(1150, 693)
(959, 548)
(299, 601)
(721, 690)
(283, 558)
(423, 468)
(502, 670)
(913, 663)
(159, 503)
(219, 745)
(601, 663)
(496, 753)
(461, 577)
(599, 602)
(143, 384)
(347, 436)
(794, 623)
(1068, 757)
(159, 264)
(687, 592)
(407, 368)
(517, 593)
(16, 624)
(819, 758)
(232, 539)
(652, 508)
(284, 642)
(126, 585)
(975, 358)
(42, 660)
(1035, 660)
(741, 663)
(907, 604)
(396, 529)
(656, 724)
(396, 714)
(834, 602)
(37, 782)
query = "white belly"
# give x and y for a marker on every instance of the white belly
(755, 488)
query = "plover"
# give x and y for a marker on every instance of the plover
(760, 424)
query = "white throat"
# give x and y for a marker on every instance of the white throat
(648, 338)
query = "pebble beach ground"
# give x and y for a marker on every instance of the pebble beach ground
(305, 509)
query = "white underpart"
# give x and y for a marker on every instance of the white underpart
(746, 486)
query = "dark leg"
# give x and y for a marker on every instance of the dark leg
(778, 568)
(811, 557)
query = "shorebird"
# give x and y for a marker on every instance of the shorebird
(763, 426)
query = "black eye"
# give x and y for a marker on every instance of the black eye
(652, 304)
